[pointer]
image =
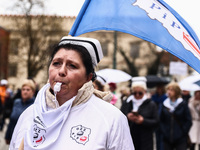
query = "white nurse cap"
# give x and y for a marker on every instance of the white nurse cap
(92, 45)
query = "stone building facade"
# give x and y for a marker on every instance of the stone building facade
(135, 48)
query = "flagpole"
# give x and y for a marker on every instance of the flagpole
(79, 18)
(115, 50)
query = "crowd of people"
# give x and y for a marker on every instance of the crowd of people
(169, 113)
(76, 108)
(174, 121)
(6, 104)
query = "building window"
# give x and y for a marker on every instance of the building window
(134, 52)
(12, 72)
(14, 43)
(104, 46)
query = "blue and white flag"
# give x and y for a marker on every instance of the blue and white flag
(151, 20)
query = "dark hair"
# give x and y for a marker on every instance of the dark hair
(83, 52)
(99, 85)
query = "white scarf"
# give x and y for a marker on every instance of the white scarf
(172, 105)
(136, 102)
(47, 124)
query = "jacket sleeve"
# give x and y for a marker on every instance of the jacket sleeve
(119, 136)
(126, 108)
(12, 122)
(152, 121)
(188, 120)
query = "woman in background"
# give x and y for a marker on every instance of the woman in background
(142, 115)
(158, 97)
(99, 83)
(194, 106)
(175, 119)
(20, 104)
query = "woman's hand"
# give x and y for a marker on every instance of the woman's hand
(138, 119)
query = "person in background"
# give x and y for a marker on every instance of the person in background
(20, 104)
(17, 94)
(5, 96)
(113, 87)
(36, 86)
(142, 114)
(160, 94)
(99, 83)
(194, 106)
(175, 119)
(185, 94)
(3, 91)
(67, 113)
(125, 93)
(158, 97)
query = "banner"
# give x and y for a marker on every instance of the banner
(178, 68)
(151, 20)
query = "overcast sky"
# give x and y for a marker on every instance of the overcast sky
(188, 9)
(58, 7)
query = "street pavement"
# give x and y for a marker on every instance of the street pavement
(3, 145)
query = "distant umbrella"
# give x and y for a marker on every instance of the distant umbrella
(190, 83)
(114, 75)
(153, 80)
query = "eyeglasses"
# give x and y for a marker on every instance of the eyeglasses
(139, 93)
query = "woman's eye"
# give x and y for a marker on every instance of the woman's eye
(72, 66)
(56, 63)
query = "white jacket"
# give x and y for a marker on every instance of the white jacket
(194, 133)
(91, 125)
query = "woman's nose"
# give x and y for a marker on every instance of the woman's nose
(62, 71)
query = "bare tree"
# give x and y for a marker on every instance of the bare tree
(38, 31)
(152, 68)
(130, 63)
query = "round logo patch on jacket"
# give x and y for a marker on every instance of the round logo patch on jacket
(80, 134)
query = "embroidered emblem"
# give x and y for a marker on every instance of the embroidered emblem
(38, 135)
(80, 134)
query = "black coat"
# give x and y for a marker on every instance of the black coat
(175, 125)
(142, 134)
